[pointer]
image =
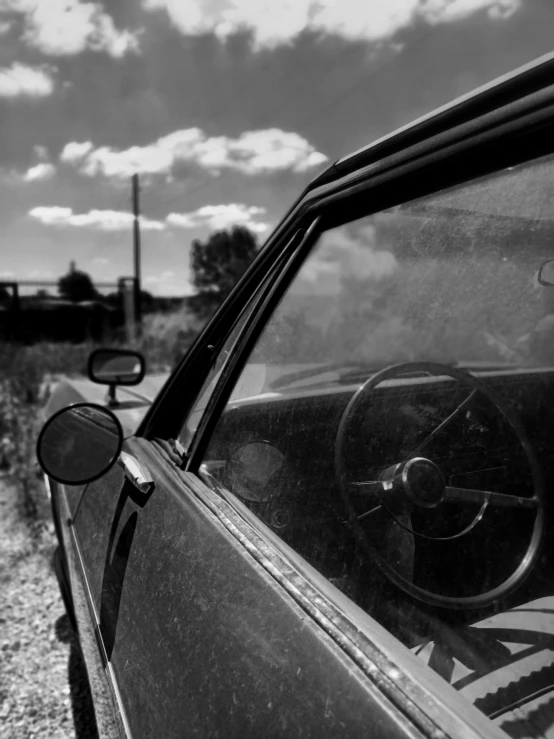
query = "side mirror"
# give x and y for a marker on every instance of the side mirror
(546, 273)
(79, 444)
(116, 367)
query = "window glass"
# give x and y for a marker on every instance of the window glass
(195, 416)
(418, 490)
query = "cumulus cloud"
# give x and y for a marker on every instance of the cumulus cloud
(274, 22)
(42, 171)
(65, 27)
(219, 217)
(341, 255)
(74, 152)
(253, 152)
(20, 79)
(102, 220)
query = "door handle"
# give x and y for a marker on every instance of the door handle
(136, 473)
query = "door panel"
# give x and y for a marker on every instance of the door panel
(96, 522)
(201, 639)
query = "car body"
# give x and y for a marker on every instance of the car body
(343, 527)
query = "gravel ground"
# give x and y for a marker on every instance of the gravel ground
(44, 690)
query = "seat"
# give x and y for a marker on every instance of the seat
(504, 665)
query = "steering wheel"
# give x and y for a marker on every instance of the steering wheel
(418, 482)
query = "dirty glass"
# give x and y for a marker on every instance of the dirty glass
(394, 425)
(208, 386)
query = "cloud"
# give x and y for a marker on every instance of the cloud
(101, 261)
(42, 171)
(102, 220)
(341, 255)
(219, 217)
(275, 22)
(4, 27)
(158, 279)
(73, 152)
(445, 11)
(20, 79)
(168, 283)
(253, 152)
(41, 152)
(65, 27)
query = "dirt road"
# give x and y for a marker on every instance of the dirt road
(43, 686)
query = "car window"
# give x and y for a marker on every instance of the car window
(197, 411)
(391, 424)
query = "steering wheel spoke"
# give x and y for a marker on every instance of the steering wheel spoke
(369, 487)
(501, 500)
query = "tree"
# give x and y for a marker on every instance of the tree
(218, 263)
(76, 285)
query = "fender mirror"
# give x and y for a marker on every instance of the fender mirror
(79, 444)
(116, 367)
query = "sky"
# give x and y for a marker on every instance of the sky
(226, 109)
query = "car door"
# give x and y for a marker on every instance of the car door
(198, 636)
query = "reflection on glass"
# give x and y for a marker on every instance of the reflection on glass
(79, 444)
(453, 279)
(115, 368)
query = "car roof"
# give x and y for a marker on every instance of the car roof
(502, 91)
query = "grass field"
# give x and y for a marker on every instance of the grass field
(26, 371)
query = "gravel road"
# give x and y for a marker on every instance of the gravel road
(44, 690)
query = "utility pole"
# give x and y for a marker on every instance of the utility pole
(136, 250)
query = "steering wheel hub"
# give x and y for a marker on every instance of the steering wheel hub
(423, 482)
(416, 482)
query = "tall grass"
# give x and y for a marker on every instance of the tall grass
(27, 373)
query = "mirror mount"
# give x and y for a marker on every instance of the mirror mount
(113, 367)
(111, 399)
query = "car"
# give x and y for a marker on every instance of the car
(334, 517)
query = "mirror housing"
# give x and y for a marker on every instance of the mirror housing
(114, 367)
(79, 444)
(546, 273)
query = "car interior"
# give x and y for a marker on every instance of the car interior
(394, 425)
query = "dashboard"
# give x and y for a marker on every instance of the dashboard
(276, 452)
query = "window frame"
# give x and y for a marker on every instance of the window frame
(518, 131)
(266, 287)
(352, 202)
(302, 581)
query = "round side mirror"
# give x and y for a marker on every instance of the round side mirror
(79, 444)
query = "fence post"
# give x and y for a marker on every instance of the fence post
(12, 321)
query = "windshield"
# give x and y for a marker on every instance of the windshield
(449, 278)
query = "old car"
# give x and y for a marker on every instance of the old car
(334, 518)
